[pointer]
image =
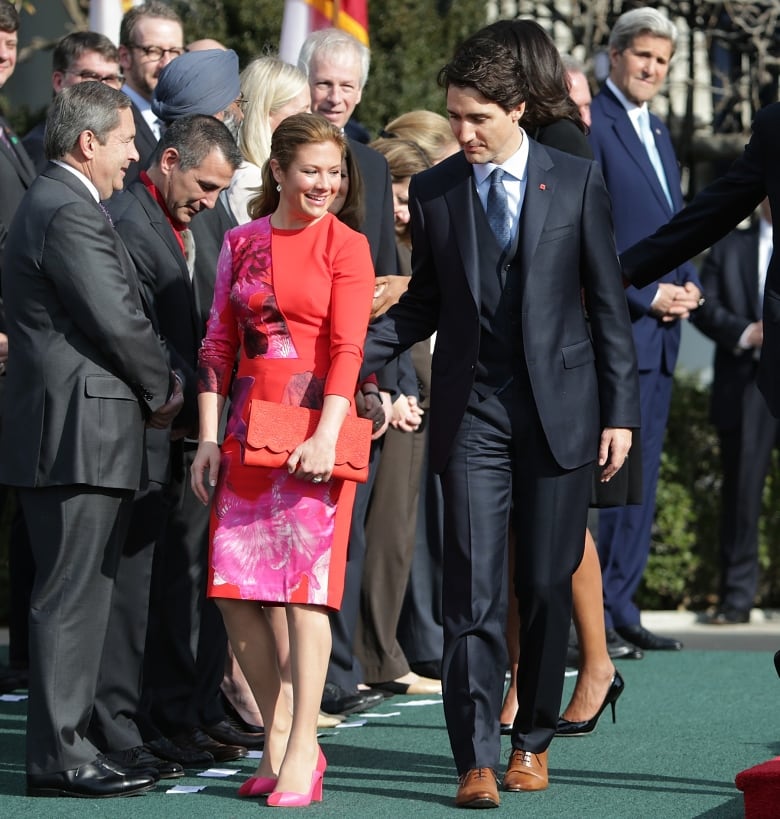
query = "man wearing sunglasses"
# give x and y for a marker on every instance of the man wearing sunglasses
(150, 37)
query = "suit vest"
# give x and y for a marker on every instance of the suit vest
(501, 356)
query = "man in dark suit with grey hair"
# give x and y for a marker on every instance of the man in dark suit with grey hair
(88, 373)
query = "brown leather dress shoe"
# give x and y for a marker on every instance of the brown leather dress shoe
(477, 788)
(526, 771)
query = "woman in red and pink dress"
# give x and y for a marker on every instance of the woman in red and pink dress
(293, 294)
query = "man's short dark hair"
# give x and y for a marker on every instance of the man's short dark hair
(490, 68)
(194, 137)
(9, 17)
(72, 46)
(151, 9)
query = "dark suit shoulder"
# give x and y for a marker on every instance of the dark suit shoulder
(367, 158)
(134, 203)
(565, 136)
(446, 174)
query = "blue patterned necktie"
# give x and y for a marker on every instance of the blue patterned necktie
(499, 218)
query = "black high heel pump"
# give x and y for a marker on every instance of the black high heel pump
(567, 728)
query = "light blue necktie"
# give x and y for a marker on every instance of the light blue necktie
(499, 217)
(648, 140)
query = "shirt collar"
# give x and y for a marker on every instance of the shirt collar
(158, 197)
(631, 107)
(516, 165)
(141, 103)
(80, 176)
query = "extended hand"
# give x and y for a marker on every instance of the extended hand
(387, 291)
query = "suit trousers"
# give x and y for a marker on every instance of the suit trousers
(624, 531)
(186, 639)
(118, 720)
(746, 452)
(501, 464)
(76, 535)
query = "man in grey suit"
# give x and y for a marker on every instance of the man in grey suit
(512, 244)
(88, 373)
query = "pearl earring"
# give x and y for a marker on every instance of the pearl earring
(279, 188)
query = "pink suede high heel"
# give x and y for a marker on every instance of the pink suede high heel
(257, 786)
(281, 799)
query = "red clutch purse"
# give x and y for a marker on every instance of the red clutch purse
(275, 430)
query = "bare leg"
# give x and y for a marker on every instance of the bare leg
(278, 618)
(234, 684)
(255, 649)
(596, 668)
(310, 642)
(236, 689)
(509, 708)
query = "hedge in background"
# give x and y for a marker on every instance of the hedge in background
(683, 568)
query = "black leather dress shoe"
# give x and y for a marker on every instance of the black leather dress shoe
(95, 780)
(619, 649)
(227, 734)
(188, 757)
(198, 739)
(727, 616)
(641, 637)
(140, 760)
(335, 700)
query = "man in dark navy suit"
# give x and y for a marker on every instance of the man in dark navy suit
(508, 236)
(636, 156)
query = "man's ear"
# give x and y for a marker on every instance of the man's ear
(169, 160)
(87, 142)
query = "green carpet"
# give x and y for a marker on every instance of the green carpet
(687, 724)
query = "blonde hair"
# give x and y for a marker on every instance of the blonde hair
(428, 130)
(267, 84)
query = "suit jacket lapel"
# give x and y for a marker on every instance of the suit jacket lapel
(539, 192)
(461, 200)
(635, 149)
(163, 229)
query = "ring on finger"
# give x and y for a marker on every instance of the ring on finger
(316, 479)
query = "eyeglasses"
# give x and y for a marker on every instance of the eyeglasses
(156, 53)
(90, 76)
(240, 102)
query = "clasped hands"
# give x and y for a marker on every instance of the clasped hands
(163, 417)
(675, 301)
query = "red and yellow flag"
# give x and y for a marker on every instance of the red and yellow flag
(301, 17)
